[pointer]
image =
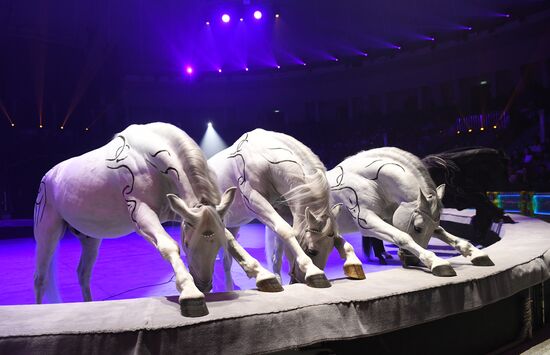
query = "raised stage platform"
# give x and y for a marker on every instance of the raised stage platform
(250, 321)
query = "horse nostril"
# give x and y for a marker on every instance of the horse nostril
(311, 252)
(208, 234)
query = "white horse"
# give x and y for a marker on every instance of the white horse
(131, 184)
(390, 195)
(281, 181)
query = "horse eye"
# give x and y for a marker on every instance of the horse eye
(417, 229)
(331, 235)
(189, 224)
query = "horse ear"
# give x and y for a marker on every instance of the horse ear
(336, 209)
(227, 199)
(180, 207)
(311, 220)
(423, 203)
(440, 191)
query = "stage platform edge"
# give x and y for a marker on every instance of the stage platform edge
(250, 321)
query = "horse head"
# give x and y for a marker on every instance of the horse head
(317, 239)
(202, 234)
(420, 218)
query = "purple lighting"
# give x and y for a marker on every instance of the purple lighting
(257, 14)
(226, 18)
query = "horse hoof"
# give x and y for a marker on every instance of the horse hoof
(354, 272)
(193, 307)
(382, 261)
(443, 271)
(482, 260)
(318, 281)
(269, 285)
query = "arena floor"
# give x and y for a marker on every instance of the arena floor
(129, 267)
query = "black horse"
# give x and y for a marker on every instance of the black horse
(468, 173)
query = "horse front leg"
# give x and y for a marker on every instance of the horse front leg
(385, 231)
(468, 250)
(314, 277)
(228, 261)
(353, 268)
(265, 280)
(273, 252)
(191, 300)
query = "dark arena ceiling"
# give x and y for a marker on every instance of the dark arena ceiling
(154, 37)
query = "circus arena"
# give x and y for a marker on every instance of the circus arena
(288, 177)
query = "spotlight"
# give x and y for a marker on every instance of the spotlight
(61, 127)
(189, 70)
(469, 130)
(277, 15)
(241, 19)
(226, 18)
(246, 69)
(207, 23)
(13, 124)
(495, 126)
(457, 132)
(41, 126)
(211, 142)
(257, 14)
(482, 129)
(219, 70)
(278, 67)
(86, 129)
(365, 54)
(304, 64)
(335, 59)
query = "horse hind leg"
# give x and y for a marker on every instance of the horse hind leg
(49, 228)
(88, 257)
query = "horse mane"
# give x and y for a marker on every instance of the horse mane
(413, 163)
(195, 166)
(193, 162)
(439, 162)
(315, 194)
(489, 164)
(407, 159)
(315, 191)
